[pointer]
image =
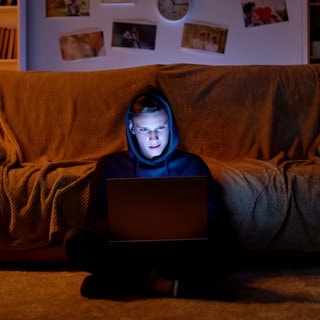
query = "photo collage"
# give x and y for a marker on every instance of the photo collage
(204, 37)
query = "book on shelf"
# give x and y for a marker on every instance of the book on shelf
(8, 40)
(8, 2)
(11, 40)
(15, 45)
(1, 37)
(4, 45)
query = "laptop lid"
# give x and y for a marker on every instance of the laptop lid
(152, 209)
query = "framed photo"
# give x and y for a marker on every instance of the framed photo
(82, 44)
(134, 35)
(261, 12)
(67, 8)
(204, 38)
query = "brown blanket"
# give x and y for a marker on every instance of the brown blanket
(39, 200)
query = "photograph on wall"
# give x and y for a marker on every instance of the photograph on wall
(262, 12)
(205, 38)
(82, 45)
(67, 8)
(134, 35)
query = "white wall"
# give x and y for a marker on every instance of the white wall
(279, 43)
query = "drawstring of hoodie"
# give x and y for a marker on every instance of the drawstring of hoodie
(138, 167)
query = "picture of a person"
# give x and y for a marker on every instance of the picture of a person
(95, 42)
(69, 8)
(133, 35)
(131, 38)
(71, 48)
(200, 41)
(251, 18)
(262, 12)
(212, 44)
(74, 7)
(206, 38)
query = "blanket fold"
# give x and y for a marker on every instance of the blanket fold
(34, 197)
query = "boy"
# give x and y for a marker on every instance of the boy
(162, 269)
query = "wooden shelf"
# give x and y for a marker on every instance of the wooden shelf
(313, 31)
(14, 17)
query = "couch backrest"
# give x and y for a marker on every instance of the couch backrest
(225, 112)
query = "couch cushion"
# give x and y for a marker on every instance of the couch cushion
(254, 195)
(300, 228)
(225, 112)
(271, 207)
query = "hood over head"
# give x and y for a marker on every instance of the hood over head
(134, 150)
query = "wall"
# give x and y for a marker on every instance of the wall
(278, 43)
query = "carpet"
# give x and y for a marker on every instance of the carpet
(271, 293)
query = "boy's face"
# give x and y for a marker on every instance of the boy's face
(152, 132)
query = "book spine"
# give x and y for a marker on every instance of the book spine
(8, 2)
(8, 43)
(15, 45)
(1, 37)
(4, 46)
(11, 40)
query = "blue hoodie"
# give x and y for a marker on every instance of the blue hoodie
(131, 163)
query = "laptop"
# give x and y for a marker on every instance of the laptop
(157, 209)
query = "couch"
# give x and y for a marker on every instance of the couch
(257, 127)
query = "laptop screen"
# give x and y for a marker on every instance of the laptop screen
(149, 209)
